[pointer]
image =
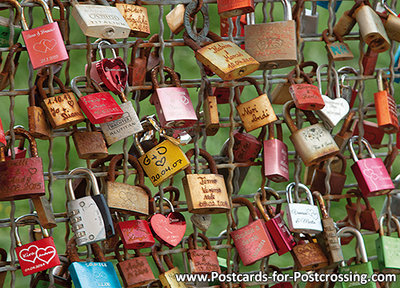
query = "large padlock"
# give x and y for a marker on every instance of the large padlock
(224, 58)
(256, 112)
(137, 66)
(366, 214)
(6, 72)
(100, 273)
(162, 161)
(309, 255)
(302, 218)
(202, 261)
(61, 110)
(173, 104)
(276, 155)
(252, 241)
(280, 234)
(89, 216)
(135, 234)
(385, 105)
(364, 267)
(38, 126)
(127, 198)
(228, 9)
(98, 107)
(36, 256)
(136, 271)
(205, 193)
(100, 21)
(136, 17)
(305, 95)
(273, 44)
(4, 24)
(331, 246)
(387, 247)
(371, 174)
(337, 51)
(313, 143)
(21, 178)
(45, 44)
(89, 144)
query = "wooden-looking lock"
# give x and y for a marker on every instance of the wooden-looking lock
(210, 110)
(205, 193)
(202, 261)
(38, 126)
(136, 17)
(309, 256)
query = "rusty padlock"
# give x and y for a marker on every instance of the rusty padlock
(38, 126)
(6, 73)
(202, 261)
(309, 255)
(137, 66)
(89, 144)
(367, 217)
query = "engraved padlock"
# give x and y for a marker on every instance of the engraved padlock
(337, 51)
(136, 17)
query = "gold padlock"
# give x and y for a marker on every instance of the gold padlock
(136, 17)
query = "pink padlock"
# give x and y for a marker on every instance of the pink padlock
(276, 161)
(370, 173)
(173, 104)
(3, 141)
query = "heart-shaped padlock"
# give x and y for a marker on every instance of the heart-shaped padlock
(170, 229)
(334, 109)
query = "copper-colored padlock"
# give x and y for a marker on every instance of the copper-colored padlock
(136, 17)
(137, 66)
(202, 261)
(338, 51)
(210, 110)
(367, 216)
(228, 9)
(89, 144)
(309, 256)
(38, 126)
(345, 23)
(44, 211)
(345, 133)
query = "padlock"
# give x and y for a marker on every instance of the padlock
(167, 277)
(36, 256)
(371, 174)
(391, 23)
(369, 60)
(309, 21)
(136, 17)
(302, 218)
(372, 133)
(125, 198)
(252, 241)
(137, 66)
(309, 255)
(44, 211)
(331, 246)
(175, 19)
(387, 248)
(100, 21)
(173, 104)
(257, 112)
(367, 216)
(202, 261)
(228, 9)
(385, 105)
(273, 44)
(61, 110)
(224, 58)
(98, 107)
(162, 161)
(306, 96)
(135, 272)
(22, 178)
(45, 44)
(365, 266)
(19, 151)
(89, 216)
(275, 153)
(345, 23)
(314, 143)
(371, 28)
(337, 51)
(100, 273)
(337, 180)
(135, 234)
(347, 91)
(279, 232)
(4, 24)
(38, 126)
(13, 56)
(210, 110)
(168, 230)
(205, 193)
(89, 144)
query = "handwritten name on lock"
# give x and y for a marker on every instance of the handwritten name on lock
(135, 16)
(227, 51)
(208, 190)
(255, 114)
(302, 216)
(316, 137)
(201, 259)
(271, 42)
(339, 49)
(63, 100)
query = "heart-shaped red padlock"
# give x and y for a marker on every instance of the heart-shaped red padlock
(169, 230)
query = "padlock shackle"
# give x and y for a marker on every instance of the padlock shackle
(77, 79)
(342, 159)
(303, 75)
(98, 253)
(250, 207)
(153, 39)
(56, 79)
(117, 253)
(290, 187)
(168, 261)
(396, 222)
(156, 198)
(94, 49)
(33, 217)
(132, 160)
(92, 177)
(207, 156)
(148, 124)
(360, 241)
(174, 76)
(46, 10)
(271, 192)
(388, 9)
(260, 207)
(18, 9)
(336, 78)
(317, 195)
(105, 42)
(271, 133)
(21, 133)
(193, 244)
(312, 64)
(72, 251)
(347, 123)
(363, 141)
(135, 47)
(379, 80)
(251, 81)
(16, 50)
(173, 192)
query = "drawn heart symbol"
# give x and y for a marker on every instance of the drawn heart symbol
(29, 254)
(46, 254)
(160, 162)
(334, 110)
(32, 171)
(168, 230)
(113, 73)
(49, 44)
(40, 47)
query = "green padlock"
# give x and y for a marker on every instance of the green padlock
(364, 269)
(5, 29)
(388, 248)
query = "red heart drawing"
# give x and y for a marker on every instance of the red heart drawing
(29, 254)
(46, 254)
(168, 230)
(49, 44)
(113, 73)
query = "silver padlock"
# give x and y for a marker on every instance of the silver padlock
(89, 216)
(302, 218)
(309, 21)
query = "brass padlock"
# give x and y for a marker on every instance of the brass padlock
(345, 23)
(210, 110)
(338, 51)
(89, 144)
(136, 17)
(45, 212)
(38, 126)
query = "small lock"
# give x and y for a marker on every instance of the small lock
(309, 21)
(347, 91)
(89, 144)
(386, 246)
(338, 51)
(229, 9)
(136, 17)
(38, 126)
(202, 261)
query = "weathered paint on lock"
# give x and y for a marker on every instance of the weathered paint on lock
(122, 196)
(203, 261)
(90, 145)
(306, 96)
(135, 234)
(386, 112)
(309, 256)
(137, 19)
(228, 9)
(168, 279)
(100, 107)
(135, 272)
(339, 51)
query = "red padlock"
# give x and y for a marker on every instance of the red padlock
(228, 8)
(369, 61)
(135, 234)
(37, 256)
(98, 107)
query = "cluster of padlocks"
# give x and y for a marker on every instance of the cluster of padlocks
(98, 207)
